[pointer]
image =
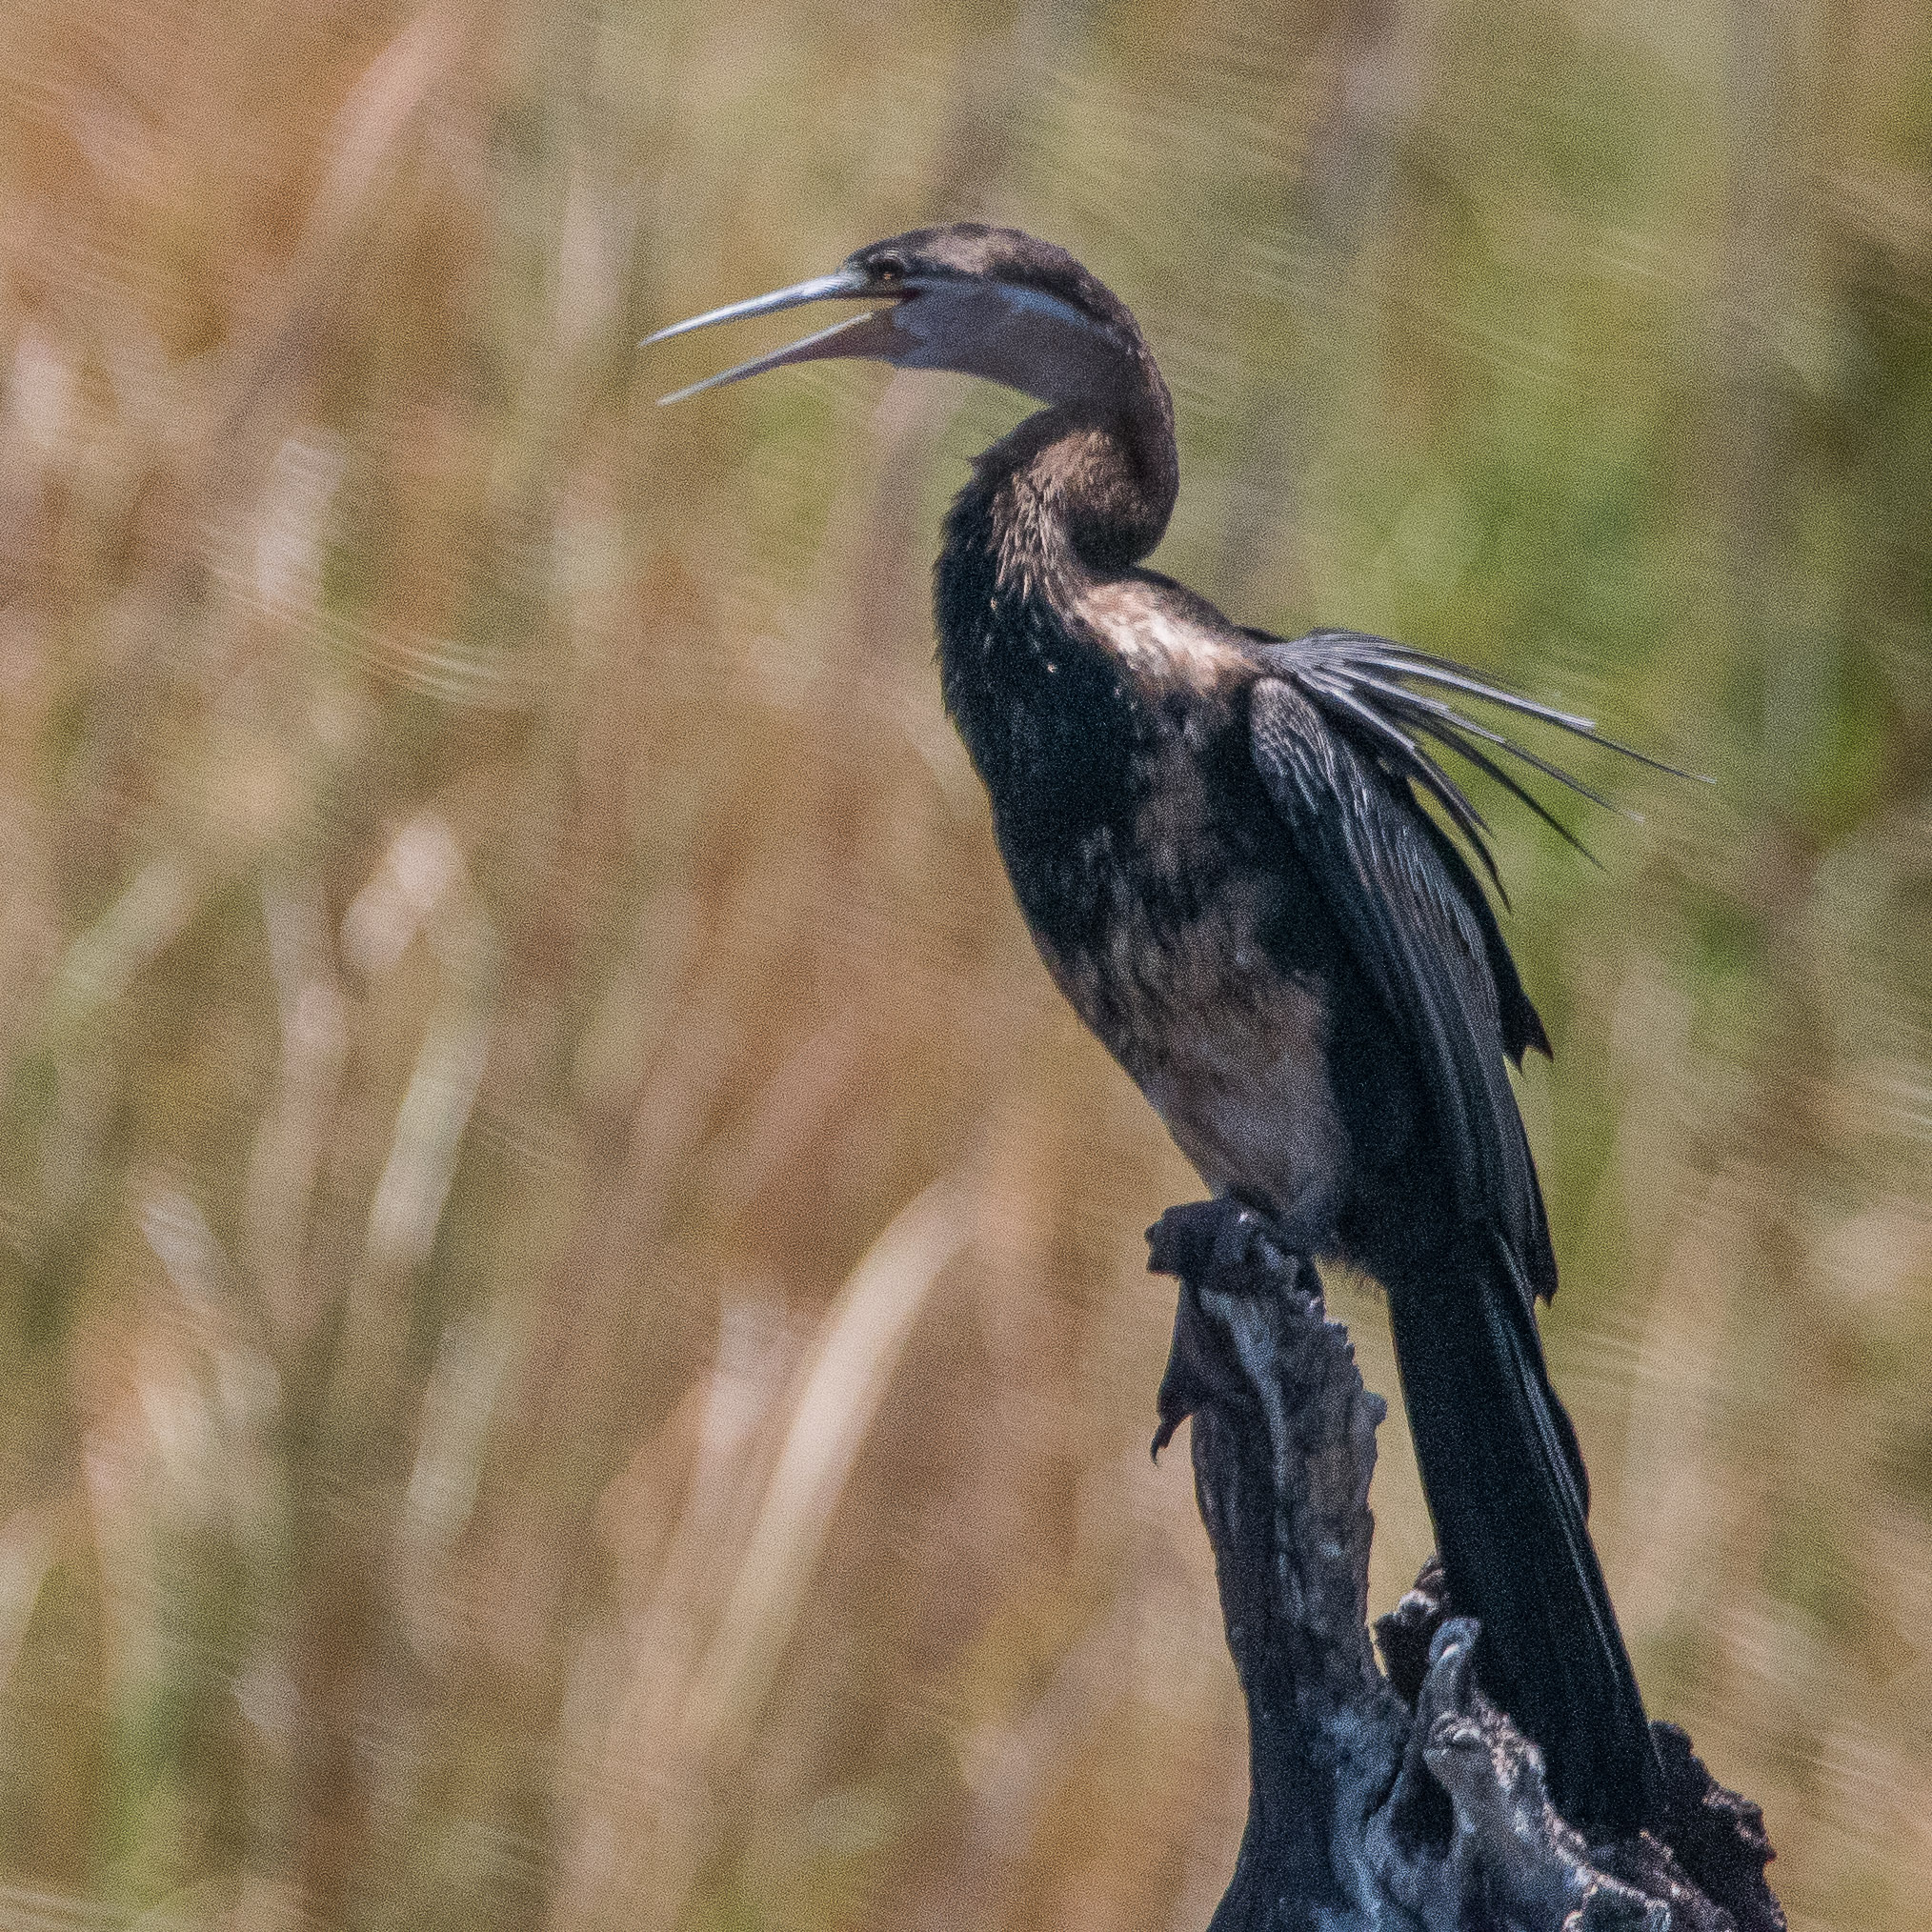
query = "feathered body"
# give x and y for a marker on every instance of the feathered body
(1109, 720)
(1216, 840)
(1150, 766)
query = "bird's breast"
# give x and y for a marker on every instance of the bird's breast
(1169, 929)
(1111, 729)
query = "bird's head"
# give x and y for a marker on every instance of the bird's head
(982, 301)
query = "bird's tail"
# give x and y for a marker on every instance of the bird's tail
(1506, 1488)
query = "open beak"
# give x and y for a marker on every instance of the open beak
(870, 334)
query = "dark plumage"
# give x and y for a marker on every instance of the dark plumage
(1216, 837)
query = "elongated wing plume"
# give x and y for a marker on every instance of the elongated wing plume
(1364, 685)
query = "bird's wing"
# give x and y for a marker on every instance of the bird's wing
(1394, 704)
(1364, 686)
(1419, 934)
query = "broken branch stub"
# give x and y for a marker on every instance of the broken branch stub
(1406, 1799)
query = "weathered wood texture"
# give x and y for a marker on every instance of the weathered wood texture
(1384, 1798)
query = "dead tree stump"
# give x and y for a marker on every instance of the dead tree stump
(1384, 1798)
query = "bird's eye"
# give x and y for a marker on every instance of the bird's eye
(888, 272)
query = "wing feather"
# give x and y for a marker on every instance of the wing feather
(1424, 946)
(1362, 683)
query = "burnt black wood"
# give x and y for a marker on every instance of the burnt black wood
(1406, 1798)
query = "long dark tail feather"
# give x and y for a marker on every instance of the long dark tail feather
(1504, 1483)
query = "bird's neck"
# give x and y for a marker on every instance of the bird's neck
(1078, 491)
(1072, 497)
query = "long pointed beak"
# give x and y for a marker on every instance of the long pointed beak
(867, 334)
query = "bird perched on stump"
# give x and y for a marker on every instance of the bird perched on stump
(1216, 839)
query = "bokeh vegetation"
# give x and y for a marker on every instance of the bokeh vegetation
(576, 1350)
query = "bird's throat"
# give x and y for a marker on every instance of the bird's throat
(1082, 491)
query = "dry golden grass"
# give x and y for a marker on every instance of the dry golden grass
(576, 1349)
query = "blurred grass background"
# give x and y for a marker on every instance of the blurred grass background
(576, 1345)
